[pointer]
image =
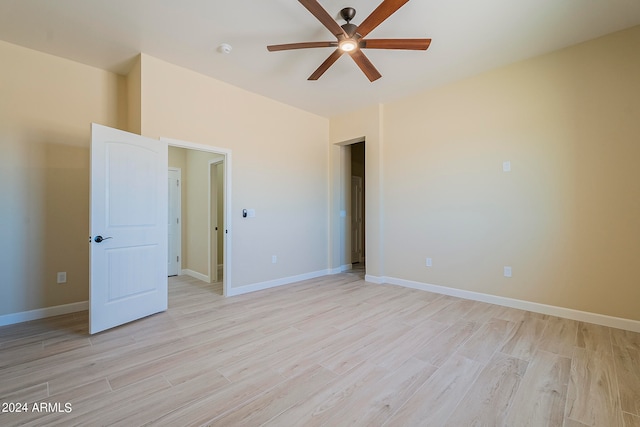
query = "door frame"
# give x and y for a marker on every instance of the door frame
(227, 241)
(342, 233)
(213, 269)
(179, 203)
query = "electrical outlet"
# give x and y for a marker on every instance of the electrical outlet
(507, 271)
(274, 259)
(62, 277)
(506, 166)
(429, 262)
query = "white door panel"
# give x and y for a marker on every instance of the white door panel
(128, 277)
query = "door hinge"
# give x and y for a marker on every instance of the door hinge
(177, 183)
(177, 220)
(177, 258)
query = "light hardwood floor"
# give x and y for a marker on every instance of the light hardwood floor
(333, 351)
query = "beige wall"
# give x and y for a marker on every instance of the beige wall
(567, 218)
(46, 107)
(133, 111)
(280, 166)
(197, 213)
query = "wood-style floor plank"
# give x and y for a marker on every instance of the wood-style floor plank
(378, 403)
(568, 422)
(541, 397)
(221, 401)
(437, 350)
(278, 399)
(333, 397)
(488, 400)
(524, 339)
(435, 401)
(631, 420)
(334, 351)
(627, 364)
(594, 338)
(482, 345)
(593, 396)
(559, 336)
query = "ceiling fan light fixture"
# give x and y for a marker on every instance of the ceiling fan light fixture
(348, 45)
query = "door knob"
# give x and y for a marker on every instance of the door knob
(99, 239)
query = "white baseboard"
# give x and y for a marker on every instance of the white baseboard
(340, 269)
(373, 279)
(567, 313)
(41, 313)
(196, 275)
(276, 282)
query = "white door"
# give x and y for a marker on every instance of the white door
(357, 229)
(174, 222)
(128, 220)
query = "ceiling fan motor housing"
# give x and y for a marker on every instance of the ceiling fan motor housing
(350, 29)
(348, 13)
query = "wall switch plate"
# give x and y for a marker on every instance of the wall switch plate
(274, 259)
(62, 277)
(507, 271)
(429, 262)
(506, 166)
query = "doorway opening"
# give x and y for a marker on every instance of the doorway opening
(351, 183)
(204, 220)
(358, 188)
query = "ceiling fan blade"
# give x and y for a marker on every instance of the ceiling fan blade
(325, 65)
(382, 12)
(323, 16)
(304, 45)
(408, 44)
(365, 65)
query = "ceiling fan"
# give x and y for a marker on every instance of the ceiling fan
(351, 38)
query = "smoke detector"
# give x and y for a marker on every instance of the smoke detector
(225, 48)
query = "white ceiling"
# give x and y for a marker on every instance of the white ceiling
(468, 37)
